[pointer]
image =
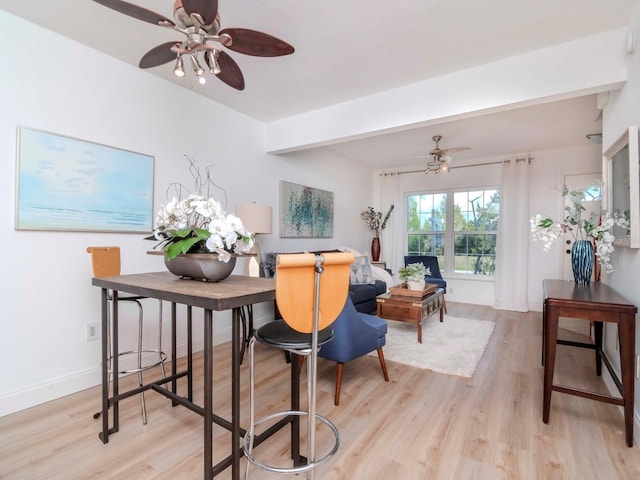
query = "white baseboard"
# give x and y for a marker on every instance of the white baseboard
(60, 387)
(45, 392)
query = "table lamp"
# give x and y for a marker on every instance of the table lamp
(257, 219)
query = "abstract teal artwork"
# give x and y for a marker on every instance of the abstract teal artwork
(305, 212)
(68, 184)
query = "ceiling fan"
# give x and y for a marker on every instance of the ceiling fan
(439, 157)
(199, 21)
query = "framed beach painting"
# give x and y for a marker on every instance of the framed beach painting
(68, 184)
(305, 212)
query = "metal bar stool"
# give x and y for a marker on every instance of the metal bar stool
(105, 262)
(310, 293)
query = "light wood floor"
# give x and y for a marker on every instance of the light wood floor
(420, 425)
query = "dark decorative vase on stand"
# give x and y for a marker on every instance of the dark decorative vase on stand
(375, 249)
(582, 257)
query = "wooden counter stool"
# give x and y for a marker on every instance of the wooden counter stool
(105, 262)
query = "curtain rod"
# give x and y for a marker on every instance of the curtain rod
(517, 160)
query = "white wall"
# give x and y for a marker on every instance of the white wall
(47, 298)
(579, 67)
(621, 112)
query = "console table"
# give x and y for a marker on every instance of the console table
(233, 293)
(598, 303)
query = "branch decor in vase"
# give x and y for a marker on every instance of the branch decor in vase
(197, 230)
(585, 231)
(376, 224)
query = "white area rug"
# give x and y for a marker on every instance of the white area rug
(453, 347)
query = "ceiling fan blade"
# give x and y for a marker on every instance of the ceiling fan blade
(207, 9)
(137, 12)
(230, 71)
(158, 55)
(258, 44)
(454, 149)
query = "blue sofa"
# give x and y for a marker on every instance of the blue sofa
(364, 296)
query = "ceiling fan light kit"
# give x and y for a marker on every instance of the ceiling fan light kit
(199, 21)
(179, 68)
(439, 158)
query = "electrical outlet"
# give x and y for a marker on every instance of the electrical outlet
(92, 331)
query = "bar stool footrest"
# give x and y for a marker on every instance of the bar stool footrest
(162, 358)
(291, 470)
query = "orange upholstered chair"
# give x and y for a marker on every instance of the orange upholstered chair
(310, 293)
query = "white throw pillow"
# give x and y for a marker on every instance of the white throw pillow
(361, 271)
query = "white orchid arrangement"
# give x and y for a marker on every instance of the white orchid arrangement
(199, 224)
(595, 228)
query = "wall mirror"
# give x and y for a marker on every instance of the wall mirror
(622, 185)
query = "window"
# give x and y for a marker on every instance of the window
(426, 224)
(459, 227)
(475, 228)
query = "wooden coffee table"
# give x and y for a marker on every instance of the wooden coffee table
(411, 309)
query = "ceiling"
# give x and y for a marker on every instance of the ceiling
(347, 49)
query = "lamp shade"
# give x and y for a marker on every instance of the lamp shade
(257, 218)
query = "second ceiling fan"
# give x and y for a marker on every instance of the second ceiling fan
(199, 21)
(439, 158)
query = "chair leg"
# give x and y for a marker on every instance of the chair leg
(140, 380)
(162, 369)
(383, 364)
(339, 370)
(444, 304)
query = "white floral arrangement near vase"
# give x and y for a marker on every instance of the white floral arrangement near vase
(597, 227)
(199, 224)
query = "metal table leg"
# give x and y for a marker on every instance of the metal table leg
(235, 393)
(208, 395)
(104, 435)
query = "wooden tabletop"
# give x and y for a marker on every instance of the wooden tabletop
(596, 296)
(234, 291)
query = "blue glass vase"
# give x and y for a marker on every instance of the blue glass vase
(582, 261)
